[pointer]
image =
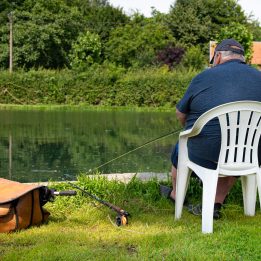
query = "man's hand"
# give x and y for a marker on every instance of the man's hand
(181, 117)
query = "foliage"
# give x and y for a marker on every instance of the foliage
(43, 32)
(98, 85)
(86, 50)
(194, 58)
(170, 55)
(188, 23)
(197, 21)
(100, 17)
(136, 44)
(240, 33)
(148, 191)
(255, 28)
(223, 13)
(6, 7)
(152, 87)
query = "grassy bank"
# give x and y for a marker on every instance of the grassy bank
(53, 107)
(78, 230)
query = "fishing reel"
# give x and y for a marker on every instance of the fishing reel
(121, 220)
(122, 217)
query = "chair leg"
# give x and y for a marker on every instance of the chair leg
(258, 179)
(182, 182)
(208, 200)
(249, 188)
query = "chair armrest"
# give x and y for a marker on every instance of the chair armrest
(187, 133)
(194, 131)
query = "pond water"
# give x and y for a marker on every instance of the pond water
(38, 145)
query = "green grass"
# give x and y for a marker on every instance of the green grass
(79, 230)
(82, 107)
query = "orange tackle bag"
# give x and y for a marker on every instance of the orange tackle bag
(21, 205)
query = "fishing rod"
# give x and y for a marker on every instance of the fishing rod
(122, 215)
(137, 148)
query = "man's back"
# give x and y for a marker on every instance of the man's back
(227, 82)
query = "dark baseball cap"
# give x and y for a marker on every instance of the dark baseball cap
(229, 45)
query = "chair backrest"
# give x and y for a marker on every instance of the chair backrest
(240, 124)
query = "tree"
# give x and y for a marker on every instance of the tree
(44, 30)
(196, 22)
(255, 28)
(240, 33)
(43, 33)
(189, 26)
(86, 50)
(100, 17)
(6, 6)
(136, 43)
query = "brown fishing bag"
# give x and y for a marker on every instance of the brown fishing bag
(21, 205)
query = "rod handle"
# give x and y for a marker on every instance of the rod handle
(65, 193)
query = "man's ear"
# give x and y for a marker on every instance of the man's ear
(218, 59)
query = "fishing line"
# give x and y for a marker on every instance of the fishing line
(137, 148)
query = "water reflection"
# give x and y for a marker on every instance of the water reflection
(44, 145)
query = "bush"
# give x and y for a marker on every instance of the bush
(170, 55)
(136, 44)
(194, 58)
(98, 85)
(152, 87)
(86, 50)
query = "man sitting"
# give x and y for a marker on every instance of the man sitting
(231, 79)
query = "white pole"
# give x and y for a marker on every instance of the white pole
(10, 16)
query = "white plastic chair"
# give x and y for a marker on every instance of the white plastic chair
(240, 124)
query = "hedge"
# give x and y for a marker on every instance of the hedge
(98, 85)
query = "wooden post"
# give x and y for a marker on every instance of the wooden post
(10, 16)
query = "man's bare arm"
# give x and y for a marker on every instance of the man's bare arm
(181, 117)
